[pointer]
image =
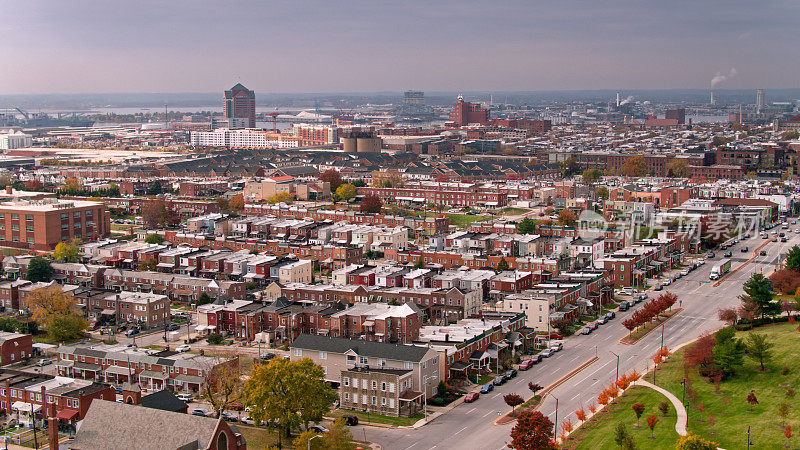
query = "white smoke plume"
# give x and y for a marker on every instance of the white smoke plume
(722, 77)
(627, 100)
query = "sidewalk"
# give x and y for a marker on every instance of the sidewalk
(680, 411)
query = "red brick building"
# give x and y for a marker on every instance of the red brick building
(14, 347)
(240, 102)
(465, 113)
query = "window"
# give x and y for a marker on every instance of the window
(383, 385)
(374, 400)
(28, 216)
(363, 360)
(15, 217)
(323, 355)
(374, 384)
(383, 401)
(346, 381)
(298, 352)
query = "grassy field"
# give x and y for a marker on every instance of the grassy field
(513, 211)
(375, 418)
(732, 413)
(599, 434)
(259, 437)
(464, 220)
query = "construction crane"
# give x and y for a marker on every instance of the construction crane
(24, 114)
(274, 121)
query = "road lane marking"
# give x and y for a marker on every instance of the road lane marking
(473, 409)
(459, 431)
(415, 443)
(490, 412)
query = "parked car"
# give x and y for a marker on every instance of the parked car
(173, 327)
(248, 421)
(556, 336)
(183, 348)
(763, 253)
(350, 419)
(184, 397)
(557, 346)
(611, 315)
(267, 356)
(744, 249)
(711, 254)
(525, 365)
(537, 358)
(202, 412)
(685, 272)
(594, 326)
(471, 397)
(667, 281)
(486, 388)
(236, 406)
(43, 362)
(510, 373)
(546, 353)
(132, 332)
(499, 380)
(586, 330)
(783, 239)
(658, 287)
(641, 297)
(229, 416)
(318, 428)
(728, 254)
(602, 320)
(623, 306)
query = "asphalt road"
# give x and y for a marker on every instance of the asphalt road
(472, 425)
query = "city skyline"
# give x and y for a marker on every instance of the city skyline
(319, 47)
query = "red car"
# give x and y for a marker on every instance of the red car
(525, 365)
(235, 406)
(556, 336)
(471, 397)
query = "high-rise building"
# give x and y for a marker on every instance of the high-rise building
(760, 101)
(679, 114)
(240, 102)
(414, 98)
(465, 113)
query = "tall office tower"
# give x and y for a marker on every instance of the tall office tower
(679, 114)
(760, 101)
(414, 98)
(240, 103)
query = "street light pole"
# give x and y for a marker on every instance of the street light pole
(312, 438)
(555, 424)
(617, 376)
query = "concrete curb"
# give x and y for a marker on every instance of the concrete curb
(553, 386)
(680, 410)
(739, 267)
(445, 409)
(677, 311)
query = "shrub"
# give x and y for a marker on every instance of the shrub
(215, 339)
(664, 408)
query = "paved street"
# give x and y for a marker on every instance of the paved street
(471, 425)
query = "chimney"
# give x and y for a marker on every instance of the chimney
(52, 425)
(9, 190)
(617, 99)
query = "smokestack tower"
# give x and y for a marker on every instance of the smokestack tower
(713, 102)
(617, 99)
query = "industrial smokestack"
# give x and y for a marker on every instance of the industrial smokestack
(713, 102)
(617, 99)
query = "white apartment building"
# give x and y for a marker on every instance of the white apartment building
(246, 138)
(15, 139)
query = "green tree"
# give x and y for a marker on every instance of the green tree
(758, 292)
(694, 442)
(526, 226)
(759, 348)
(68, 251)
(39, 269)
(155, 188)
(338, 437)
(223, 385)
(728, 355)
(203, 299)
(58, 312)
(154, 239)
(420, 263)
(623, 438)
(793, 259)
(634, 166)
(569, 167)
(346, 192)
(591, 176)
(502, 265)
(288, 393)
(678, 168)
(602, 192)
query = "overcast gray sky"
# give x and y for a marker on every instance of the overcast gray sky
(79, 46)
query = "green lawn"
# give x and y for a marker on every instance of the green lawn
(513, 211)
(375, 418)
(465, 220)
(733, 418)
(260, 437)
(599, 434)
